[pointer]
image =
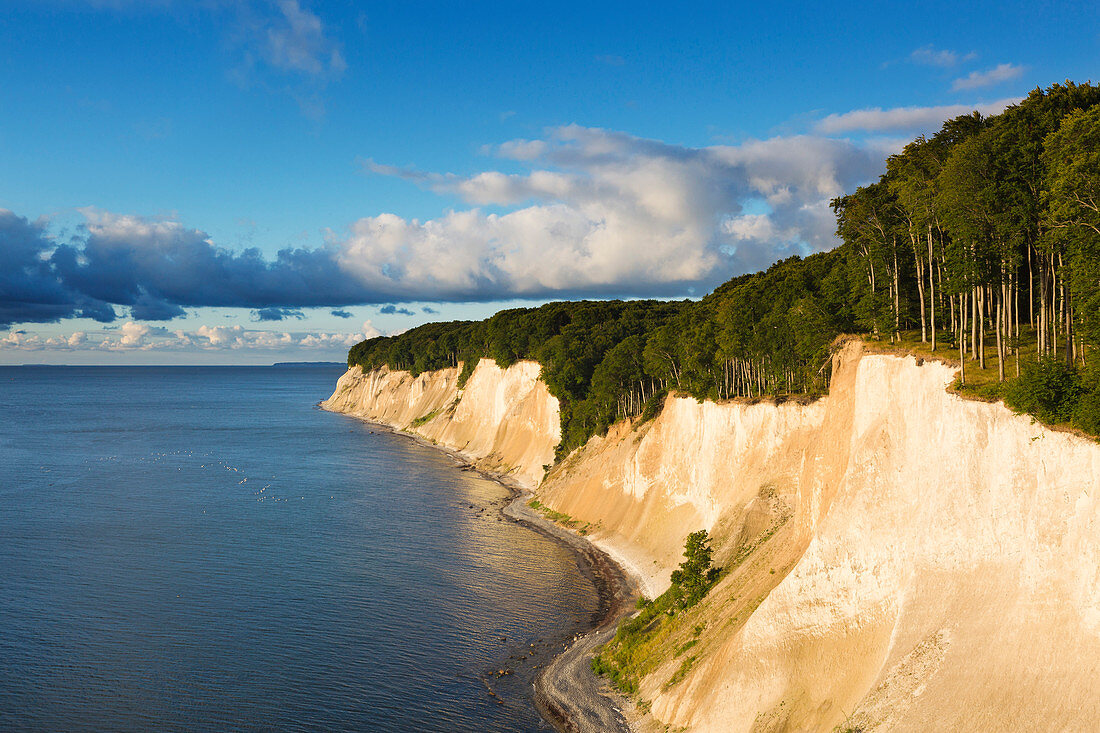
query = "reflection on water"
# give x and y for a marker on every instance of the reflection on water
(202, 549)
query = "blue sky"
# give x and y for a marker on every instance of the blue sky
(418, 161)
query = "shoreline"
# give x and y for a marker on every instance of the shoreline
(567, 693)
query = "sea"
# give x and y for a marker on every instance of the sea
(204, 549)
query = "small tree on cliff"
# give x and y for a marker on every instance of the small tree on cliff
(695, 576)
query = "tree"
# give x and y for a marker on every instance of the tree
(695, 576)
(1072, 159)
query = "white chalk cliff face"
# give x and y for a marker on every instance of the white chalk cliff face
(504, 420)
(900, 558)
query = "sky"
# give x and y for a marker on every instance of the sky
(252, 181)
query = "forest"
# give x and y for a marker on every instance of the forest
(979, 244)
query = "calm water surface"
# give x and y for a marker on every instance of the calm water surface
(203, 549)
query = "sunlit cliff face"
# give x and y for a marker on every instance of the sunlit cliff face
(914, 560)
(504, 419)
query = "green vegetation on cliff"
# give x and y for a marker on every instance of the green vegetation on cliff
(629, 655)
(983, 240)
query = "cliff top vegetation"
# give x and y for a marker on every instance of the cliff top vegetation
(982, 241)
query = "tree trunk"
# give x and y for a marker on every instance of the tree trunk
(981, 327)
(973, 308)
(1030, 290)
(962, 340)
(931, 290)
(919, 269)
(1001, 320)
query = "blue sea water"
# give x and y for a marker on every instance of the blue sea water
(202, 549)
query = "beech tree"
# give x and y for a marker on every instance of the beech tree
(987, 230)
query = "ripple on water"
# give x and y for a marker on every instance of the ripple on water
(146, 586)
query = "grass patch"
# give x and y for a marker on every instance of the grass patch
(424, 419)
(679, 674)
(641, 641)
(561, 518)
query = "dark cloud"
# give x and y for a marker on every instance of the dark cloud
(157, 269)
(30, 289)
(390, 310)
(276, 313)
(148, 308)
(428, 309)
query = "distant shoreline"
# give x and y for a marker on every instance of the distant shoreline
(278, 364)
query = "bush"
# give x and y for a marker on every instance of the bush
(1047, 389)
(1087, 414)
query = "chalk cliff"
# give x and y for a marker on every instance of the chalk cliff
(899, 558)
(504, 420)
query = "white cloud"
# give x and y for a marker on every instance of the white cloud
(21, 340)
(369, 331)
(140, 337)
(134, 334)
(757, 227)
(603, 212)
(931, 56)
(218, 335)
(877, 119)
(295, 40)
(996, 75)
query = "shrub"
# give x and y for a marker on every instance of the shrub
(1047, 389)
(1087, 415)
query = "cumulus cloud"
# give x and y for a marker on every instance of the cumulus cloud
(603, 213)
(31, 290)
(594, 213)
(931, 56)
(341, 313)
(133, 336)
(877, 119)
(978, 79)
(157, 268)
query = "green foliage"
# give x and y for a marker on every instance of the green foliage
(424, 419)
(984, 208)
(560, 517)
(695, 576)
(630, 655)
(1086, 415)
(1048, 388)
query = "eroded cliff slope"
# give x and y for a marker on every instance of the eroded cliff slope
(897, 558)
(901, 558)
(504, 420)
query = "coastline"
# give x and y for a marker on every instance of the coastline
(568, 694)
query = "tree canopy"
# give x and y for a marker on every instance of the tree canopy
(988, 229)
